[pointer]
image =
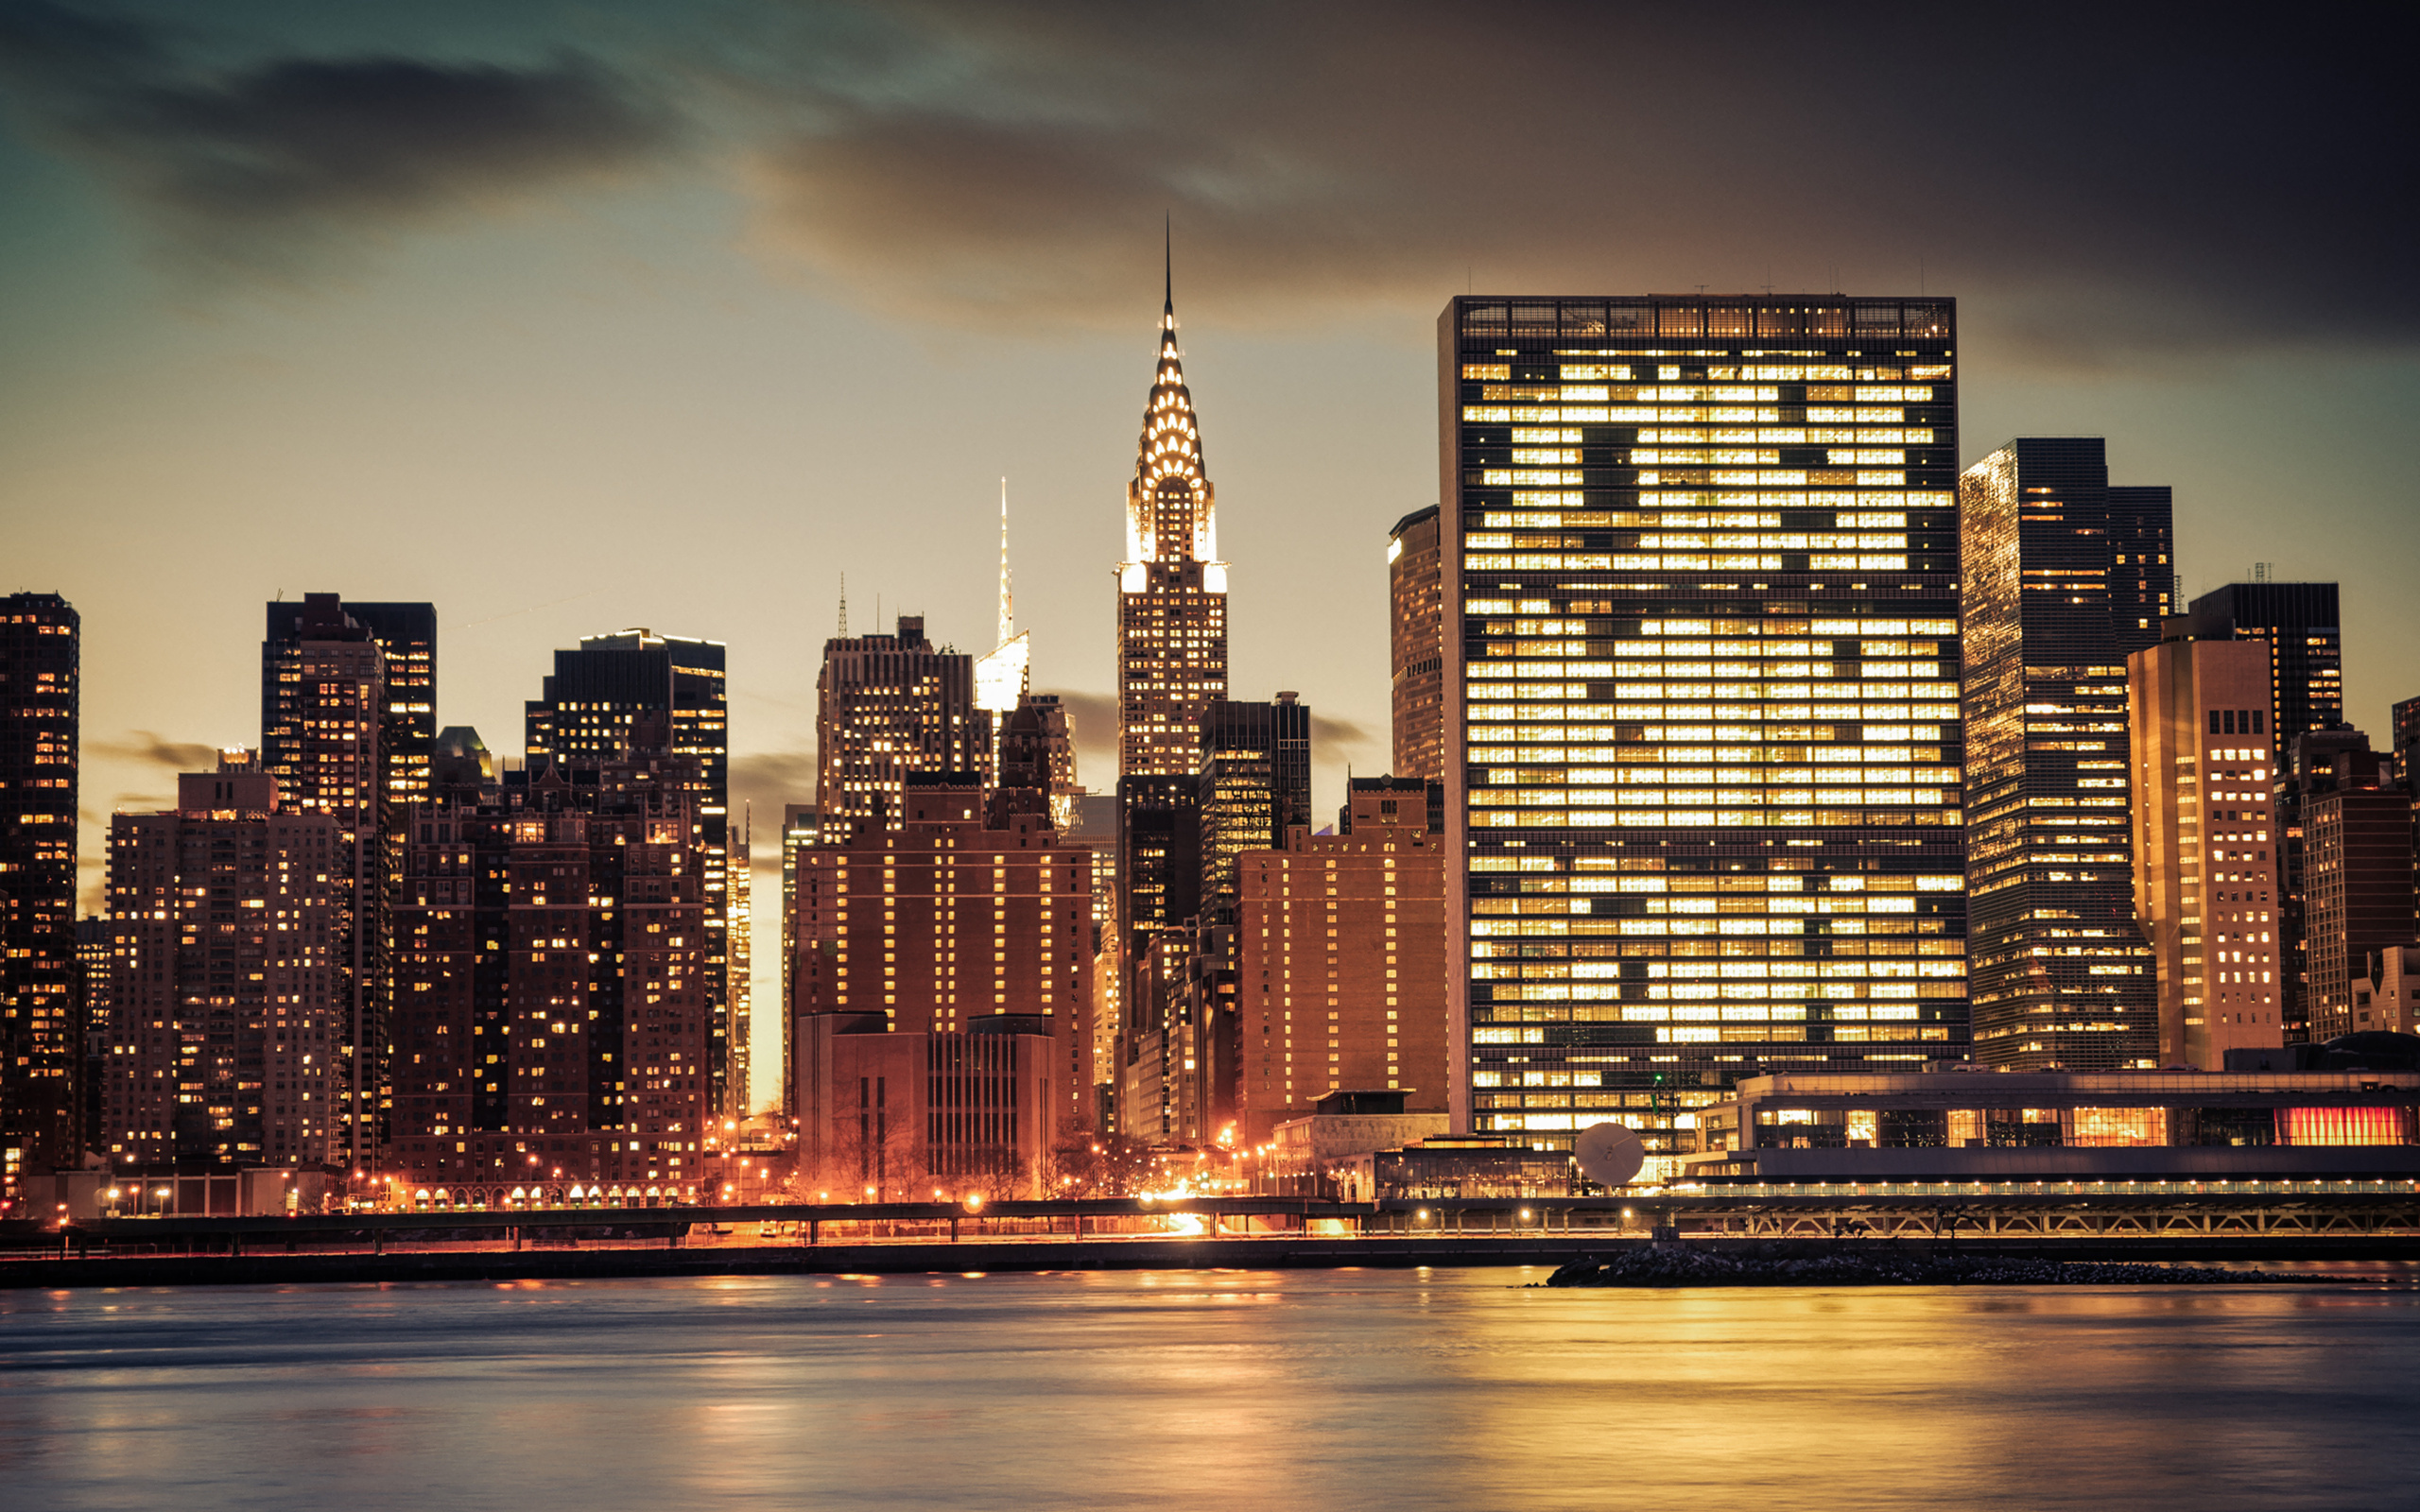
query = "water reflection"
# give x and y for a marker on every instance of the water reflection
(1221, 1389)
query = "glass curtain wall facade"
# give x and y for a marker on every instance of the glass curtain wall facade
(1701, 660)
(2065, 577)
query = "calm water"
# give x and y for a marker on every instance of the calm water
(1225, 1390)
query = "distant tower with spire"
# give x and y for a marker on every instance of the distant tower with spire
(1172, 588)
(1001, 675)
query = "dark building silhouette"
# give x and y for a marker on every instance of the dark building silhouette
(41, 1037)
(2065, 577)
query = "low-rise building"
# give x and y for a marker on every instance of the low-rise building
(897, 1115)
(1971, 1125)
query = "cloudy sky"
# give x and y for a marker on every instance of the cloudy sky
(571, 316)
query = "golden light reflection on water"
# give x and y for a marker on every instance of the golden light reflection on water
(1206, 1389)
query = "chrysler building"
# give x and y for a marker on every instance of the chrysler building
(1171, 588)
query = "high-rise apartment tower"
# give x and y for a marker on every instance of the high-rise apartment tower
(1702, 721)
(42, 1057)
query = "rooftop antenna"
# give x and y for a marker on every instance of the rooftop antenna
(1007, 602)
(844, 606)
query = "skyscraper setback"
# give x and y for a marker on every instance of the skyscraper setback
(2066, 576)
(1702, 665)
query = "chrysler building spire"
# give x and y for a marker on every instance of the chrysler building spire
(1172, 588)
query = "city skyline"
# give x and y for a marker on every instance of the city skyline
(216, 400)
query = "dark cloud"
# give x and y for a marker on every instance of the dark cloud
(265, 163)
(2100, 183)
(143, 745)
(1092, 720)
(768, 779)
(1327, 732)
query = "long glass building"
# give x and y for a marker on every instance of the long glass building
(1702, 672)
(2067, 577)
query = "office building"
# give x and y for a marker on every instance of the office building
(902, 1115)
(554, 1032)
(1341, 954)
(1172, 588)
(2206, 847)
(2407, 739)
(1256, 785)
(232, 998)
(2065, 577)
(943, 922)
(1701, 723)
(324, 684)
(42, 1041)
(887, 706)
(2304, 633)
(588, 713)
(2357, 875)
(1416, 643)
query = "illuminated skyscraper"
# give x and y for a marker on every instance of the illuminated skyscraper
(1171, 588)
(2065, 577)
(637, 690)
(1700, 693)
(324, 684)
(887, 706)
(2357, 881)
(2206, 843)
(41, 1058)
(1415, 599)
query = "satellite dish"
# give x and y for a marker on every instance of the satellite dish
(1608, 1154)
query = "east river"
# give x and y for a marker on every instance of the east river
(1232, 1390)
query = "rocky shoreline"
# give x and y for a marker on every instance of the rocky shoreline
(1677, 1265)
